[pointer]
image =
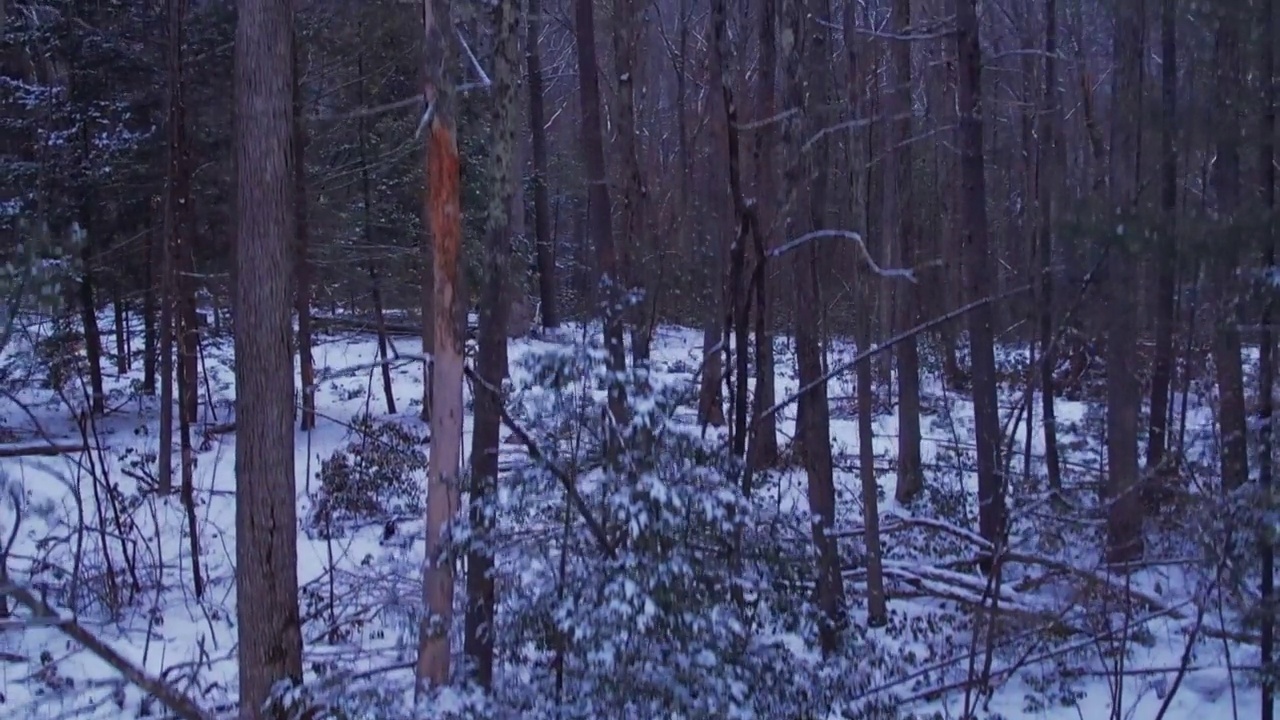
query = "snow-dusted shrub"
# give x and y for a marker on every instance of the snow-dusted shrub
(378, 475)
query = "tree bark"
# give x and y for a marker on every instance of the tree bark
(1048, 167)
(798, 46)
(599, 211)
(545, 243)
(693, 225)
(1167, 257)
(1124, 512)
(1266, 353)
(302, 250)
(877, 610)
(149, 312)
(491, 357)
(763, 451)
(445, 214)
(980, 266)
(634, 211)
(269, 630)
(899, 189)
(1225, 179)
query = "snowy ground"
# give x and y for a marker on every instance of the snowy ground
(191, 642)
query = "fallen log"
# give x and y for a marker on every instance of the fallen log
(40, 448)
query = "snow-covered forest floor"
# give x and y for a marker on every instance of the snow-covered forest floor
(99, 546)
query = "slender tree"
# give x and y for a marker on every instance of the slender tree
(599, 210)
(302, 247)
(1048, 166)
(491, 362)
(545, 244)
(898, 221)
(801, 44)
(980, 271)
(1266, 347)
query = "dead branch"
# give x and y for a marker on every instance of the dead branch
(40, 448)
(178, 703)
(535, 452)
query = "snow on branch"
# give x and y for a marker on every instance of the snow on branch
(907, 274)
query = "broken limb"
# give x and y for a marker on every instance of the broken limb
(579, 504)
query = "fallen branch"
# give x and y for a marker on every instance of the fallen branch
(177, 703)
(40, 449)
(535, 452)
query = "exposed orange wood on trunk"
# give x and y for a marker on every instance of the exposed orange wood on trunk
(444, 211)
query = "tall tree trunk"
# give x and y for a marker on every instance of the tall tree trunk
(1048, 171)
(763, 451)
(910, 469)
(1226, 185)
(121, 327)
(636, 247)
(269, 629)
(1266, 351)
(980, 266)
(737, 308)
(366, 226)
(445, 212)
(545, 243)
(1124, 513)
(877, 612)
(801, 45)
(380, 320)
(598, 208)
(710, 396)
(181, 276)
(1167, 258)
(491, 362)
(89, 311)
(149, 312)
(302, 249)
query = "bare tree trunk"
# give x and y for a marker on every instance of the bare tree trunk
(1266, 351)
(763, 451)
(1048, 171)
(598, 208)
(384, 364)
(634, 211)
(149, 313)
(89, 312)
(1124, 514)
(877, 612)
(445, 212)
(491, 362)
(174, 220)
(302, 251)
(1167, 258)
(978, 258)
(121, 328)
(187, 490)
(550, 310)
(1226, 184)
(269, 629)
(737, 305)
(910, 470)
(809, 48)
(710, 395)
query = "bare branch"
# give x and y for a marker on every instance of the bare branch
(907, 274)
(877, 349)
(177, 703)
